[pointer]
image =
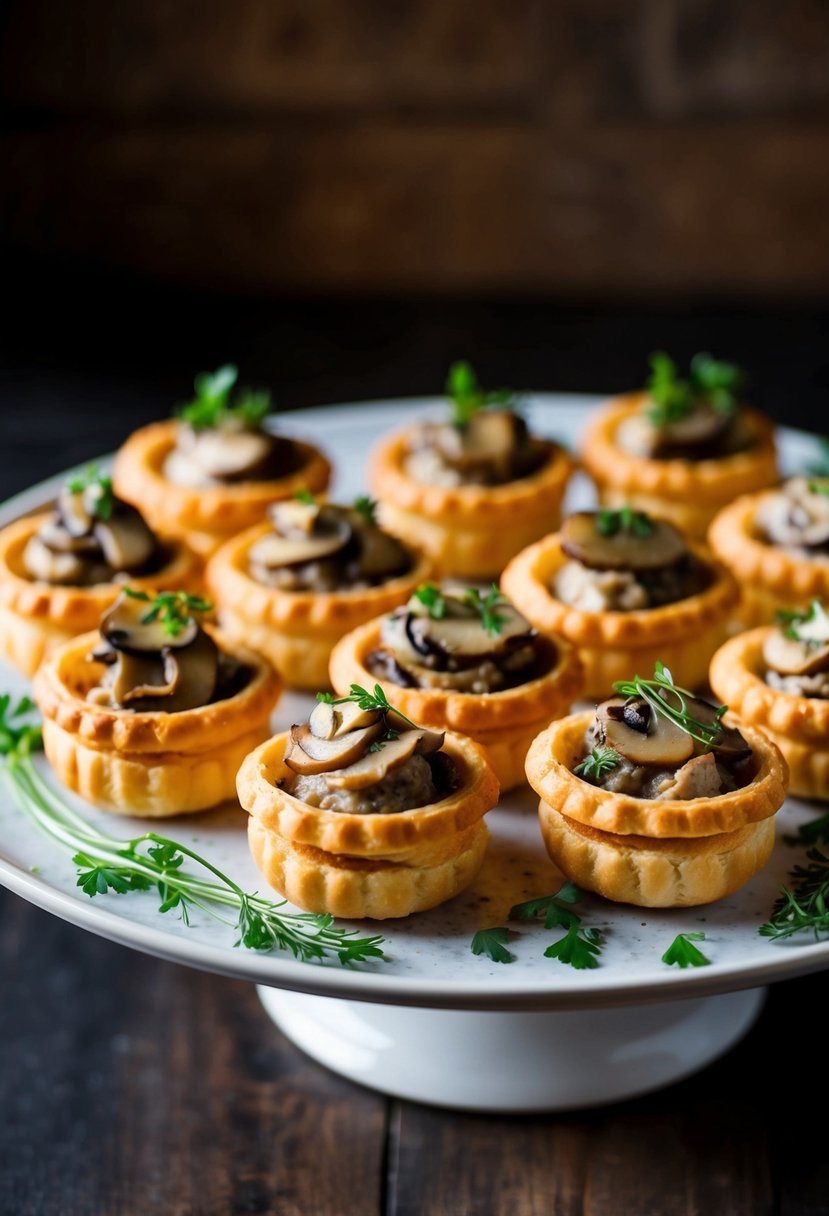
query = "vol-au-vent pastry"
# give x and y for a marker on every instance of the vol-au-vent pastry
(61, 569)
(682, 448)
(626, 589)
(292, 587)
(777, 678)
(359, 812)
(474, 488)
(458, 658)
(154, 714)
(215, 468)
(657, 798)
(777, 544)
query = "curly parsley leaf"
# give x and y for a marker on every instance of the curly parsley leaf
(492, 942)
(683, 953)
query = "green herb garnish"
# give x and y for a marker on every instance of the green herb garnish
(597, 762)
(683, 953)
(810, 627)
(816, 831)
(305, 497)
(819, 487)
(803, 906)
(388, 737)
(467, 397)
(100, 501)
(109, 865)
(578, 948)
(367, 700)
(671, 701)
(367, 507)
(487, 607)
(174, 609)
(432, 598)
(212, 404)
(710, 382)
(637, 523)
(493, 943)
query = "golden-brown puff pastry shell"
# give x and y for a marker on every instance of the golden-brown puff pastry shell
(798, 725)
(650, 873)
(469, 531)
(770, 578)
(204, 517)
(613, 645)
(558, 749)
(376, 866)
(35, 616)
(153, 764)
(688, 493)
(296, 630)
(505, 723)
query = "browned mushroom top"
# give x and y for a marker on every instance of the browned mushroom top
(357, 754)
(91, 537)
(664, 743)
(158, 658)
(624, 560)
(324, 547)
(796, 517)
(228, 453)
(796, 653)
(493, 447)
(458, 637)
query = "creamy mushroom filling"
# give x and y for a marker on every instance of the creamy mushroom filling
(156, 657)
(796, 653)
(358, 755)
(697, 418)
(91, 537)
(624, 561)
(494, 447)
(457, 638)
(634, 748)
(796, 518)
(323, 547)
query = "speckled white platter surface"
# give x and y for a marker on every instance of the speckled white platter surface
(430, 963)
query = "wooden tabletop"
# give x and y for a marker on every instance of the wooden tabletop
(130, 1086)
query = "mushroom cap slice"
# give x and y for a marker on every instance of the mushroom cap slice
(380, 553)
(377, 765)
(294, 518)
(664, 743)
(728, 743)
(329, 721)
(122, 626)
(55, 536)
(172, 681)
(489, 437)
(230, 452)
(75, 515)
(126, 541)
(791, 657)
(624, 550)
(465, 636)
(702, 424)
(310, 755)
(329, 533)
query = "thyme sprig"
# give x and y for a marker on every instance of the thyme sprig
(710, 382)
(467, 396)
(487, 607)
(107, 865)
(96, 487)
(671, 701)
(212, 403)
(597, 762)
(174, 609)
(803, 905)
(366, 700)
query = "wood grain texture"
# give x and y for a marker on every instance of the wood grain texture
(668, 146)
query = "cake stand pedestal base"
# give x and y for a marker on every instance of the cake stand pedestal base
(535, 1061)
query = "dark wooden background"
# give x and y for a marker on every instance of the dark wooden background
(574, 147)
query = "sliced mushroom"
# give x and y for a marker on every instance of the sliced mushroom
(375, 766)
(380, 553)
(126, 541)
(489, 438)
(329, 721)
(74, 512)
(664, 545)
(196, 673)
(702, 424)
(226, 452)
(430, 740)
(728, 743)
(791, 657)
(294, 518)
(139, 677)
(309, 755)
(663, 744)
(465, 637)
(48, 565)
(124, 629)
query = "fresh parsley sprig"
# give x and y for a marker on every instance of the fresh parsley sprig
(819, 487)
(107, 865)
(487, 607)
(626, 519)
(212, 403)
(174, 609)
(793, 625)
(101, 500)
(597, 762)
(671, 701)
(683, 953)
(367, 507)
(492, 942)
(803, 905)
(467, 396)
(361, 697)
(578, 947)
(433, 599)
(710, 382)
(305, 497)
